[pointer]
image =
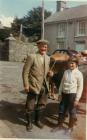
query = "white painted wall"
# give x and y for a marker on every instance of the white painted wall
(50, 35)
(51, 32)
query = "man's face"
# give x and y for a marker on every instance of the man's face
(42, 48)
(72, 65)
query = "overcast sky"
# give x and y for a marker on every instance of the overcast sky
(11, 8)
(21, 7)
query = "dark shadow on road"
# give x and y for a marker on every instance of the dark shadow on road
(52, 109)
(51, 114)
(12, 112)
(15, 113)
(83, 100)
(22, 92)
(81, 111)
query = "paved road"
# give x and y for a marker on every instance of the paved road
(12, 114)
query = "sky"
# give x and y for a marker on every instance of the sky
(12, 8)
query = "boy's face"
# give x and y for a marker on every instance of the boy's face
(42, 48)
(72, 65)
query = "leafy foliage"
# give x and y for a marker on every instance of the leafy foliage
(16, 26)
(31, 23)
(4, 33)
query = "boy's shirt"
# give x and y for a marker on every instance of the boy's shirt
(72, 82)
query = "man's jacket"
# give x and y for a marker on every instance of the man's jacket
(34, 72)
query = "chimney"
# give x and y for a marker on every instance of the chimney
(60, 6)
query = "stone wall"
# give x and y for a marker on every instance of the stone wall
(3, 51)
(19, 50)
(13, 50)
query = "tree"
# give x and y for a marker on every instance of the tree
(31, 23)
(15, 29)
(4, 33)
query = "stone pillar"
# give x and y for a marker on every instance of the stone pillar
(11, 45)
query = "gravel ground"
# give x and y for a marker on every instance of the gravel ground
(12, 111)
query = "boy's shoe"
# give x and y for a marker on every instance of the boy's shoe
(29, 127)
(58, 128)
(39, 124)
(70, 130)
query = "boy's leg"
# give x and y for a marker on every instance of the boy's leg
(62, 107)
(72, 111)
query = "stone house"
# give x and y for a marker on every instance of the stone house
(67, 28)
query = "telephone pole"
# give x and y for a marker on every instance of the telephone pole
(21, 30)
(42, 29)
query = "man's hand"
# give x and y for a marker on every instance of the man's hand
(59, 98)
(50, 73)
(76, 103)
(26, 88)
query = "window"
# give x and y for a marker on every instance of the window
(61, 45)
(81, 28)
(61, 30)
(80, 46)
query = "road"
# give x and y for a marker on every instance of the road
(12, 110)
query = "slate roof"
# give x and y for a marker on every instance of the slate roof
(68, 14)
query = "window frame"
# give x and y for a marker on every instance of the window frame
(61, 32)
(81, 28)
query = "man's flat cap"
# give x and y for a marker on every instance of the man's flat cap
(43, 41)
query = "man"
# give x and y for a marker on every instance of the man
(70, 92)
(35, 79)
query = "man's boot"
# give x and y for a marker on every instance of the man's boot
(29, 121)
(39, 115)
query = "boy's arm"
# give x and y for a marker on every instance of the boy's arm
(79, 88)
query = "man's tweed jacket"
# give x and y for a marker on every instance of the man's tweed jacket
(34, 72)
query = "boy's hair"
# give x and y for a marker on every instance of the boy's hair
(74, 59)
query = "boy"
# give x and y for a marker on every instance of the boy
(70, 92)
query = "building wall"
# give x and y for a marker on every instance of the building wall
(50, 35)
(71, 39)
(70, 35)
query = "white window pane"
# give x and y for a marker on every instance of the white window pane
(80, 46)
(61, 30)
(81, 28)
